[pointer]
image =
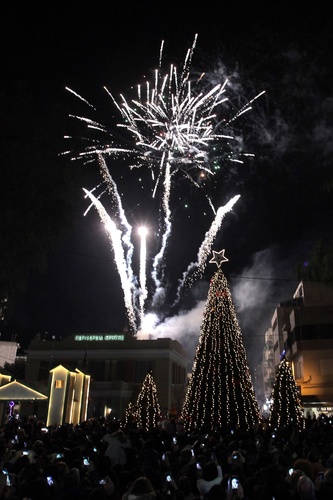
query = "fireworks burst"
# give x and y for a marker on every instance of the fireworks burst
(176, 129)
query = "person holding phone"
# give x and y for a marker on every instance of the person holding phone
(235, 489)
(104, 488)
(211, 474)
(324, 485)
(170, 484)
(184, 464)
(6, 482)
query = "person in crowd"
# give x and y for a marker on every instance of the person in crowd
(306, 488)
(140, 489)
(211, 475)
(118, 443)
(150, 463)
(304, 465)
(90, 461)
(324, 485)
(185, 462)
(184, 489)
(105, 489)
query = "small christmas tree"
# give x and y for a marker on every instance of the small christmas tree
(148, 411)
(130, 417)
(220, 393)
(286, 409)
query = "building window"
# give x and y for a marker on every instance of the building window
(326, 367)
(59, 384)
(141, 369)
(121, 370)
(299, 370)
(97, 370)
(125, 370)
(178, 374)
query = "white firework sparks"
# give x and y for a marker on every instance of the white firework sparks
(175, 129)
(114, 235)
(143, 275)
(196, 269)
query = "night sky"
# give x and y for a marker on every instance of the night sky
(284, 207)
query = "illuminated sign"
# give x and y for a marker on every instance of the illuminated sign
(95, 337)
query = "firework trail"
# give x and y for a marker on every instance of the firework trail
(196, 269)
(114, 235)
(120, 222)
(176, 130)
(159, 294)
(119, 213)
(143, 275)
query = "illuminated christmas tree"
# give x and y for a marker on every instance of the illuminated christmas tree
(130, 415)
(286, 409)
(220, 393)
(148, 410)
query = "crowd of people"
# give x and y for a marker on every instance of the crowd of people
(101, 459)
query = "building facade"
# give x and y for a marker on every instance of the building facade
(303, 329)
(68, 396)
(8, 351)
(268, 369)
(117, 366)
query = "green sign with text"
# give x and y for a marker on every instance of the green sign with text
(94, 337)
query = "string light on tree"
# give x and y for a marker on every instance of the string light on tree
(148, 410)
(220, 393)
(130, 416)
(286, 409)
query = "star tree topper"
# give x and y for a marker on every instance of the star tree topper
(218, 258)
